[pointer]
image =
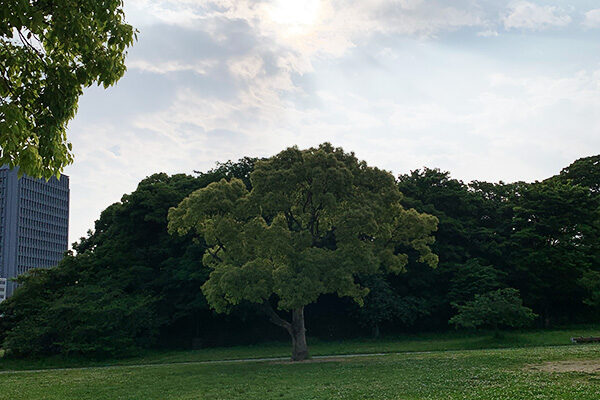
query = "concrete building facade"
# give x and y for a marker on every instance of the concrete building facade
(34, 223)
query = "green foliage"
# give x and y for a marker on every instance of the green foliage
(590, 281)
(133, 285)
(240, 169)
(49, 52)
(313, 221)
(554, 240)
(51, 313)
(584, 172)
(384, 305)
(472, 279)
(470, 235)
(128, 281)
(499, 308)
(540, 238)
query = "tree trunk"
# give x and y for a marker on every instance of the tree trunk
(298, 334)
(547, 317)
(296, 330)
(375, 331)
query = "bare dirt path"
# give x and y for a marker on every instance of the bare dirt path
(587, 366)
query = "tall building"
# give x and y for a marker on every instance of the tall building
(2, 289)
(34, 224)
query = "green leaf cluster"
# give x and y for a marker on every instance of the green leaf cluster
(314, 220)
(50, 50)
(502, 308)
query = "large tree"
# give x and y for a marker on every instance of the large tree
(313, 222)
(49, 51)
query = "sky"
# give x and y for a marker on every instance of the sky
(486, 89)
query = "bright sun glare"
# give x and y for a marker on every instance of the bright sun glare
(297, 15)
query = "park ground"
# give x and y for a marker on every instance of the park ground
(516, 365)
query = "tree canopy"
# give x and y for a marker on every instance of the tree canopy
(49, 51)
(130, 284)
(314, 220)
(553, 241)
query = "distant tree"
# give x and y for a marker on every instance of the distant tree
(384, 305)
(590, 281)
(49, 52)
(584, 172)
(314, 220)
(554, 240)
(502, 308)
(240, 169)
(471, 279)
(472, 224)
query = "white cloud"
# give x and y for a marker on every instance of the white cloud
(201, 67)
(488, 33)
(289, 37)
(540, 114)
(317, 26)
(216, 80)
(248, 67)
(530, 16)
(592, 19)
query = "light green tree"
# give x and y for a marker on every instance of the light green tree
(313, 221)
(49, 51)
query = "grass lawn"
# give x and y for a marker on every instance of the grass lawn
(404, 343)
(558, 372)
(520, 365)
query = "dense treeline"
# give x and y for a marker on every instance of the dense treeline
(131, 285)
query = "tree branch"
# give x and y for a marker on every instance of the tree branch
(214, 255)
(27, 44)
(274, 317)
(291, 220)
(308, 200)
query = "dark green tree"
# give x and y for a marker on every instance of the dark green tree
(385, 305)
(49, 51)
(590, 281)
(471, 227)
(502, 308)
(314, 220)
(584, 172)
(554, 240)
(54, 312)
(129, 284)
(471, 279)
